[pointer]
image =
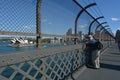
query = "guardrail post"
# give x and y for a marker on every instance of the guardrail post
(38, 23)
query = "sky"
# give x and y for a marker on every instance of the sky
(108, 8)
(111, 12)
(57, 17)
(17, 15)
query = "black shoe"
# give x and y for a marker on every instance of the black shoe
(89, 66)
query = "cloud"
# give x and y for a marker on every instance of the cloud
(118, 28)
(83, 26)
(44, 20)
(27, 27)
(115, 19)
(49, 23)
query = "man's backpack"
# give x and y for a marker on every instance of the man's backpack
(99, 45)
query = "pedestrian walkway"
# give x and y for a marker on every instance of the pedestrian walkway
(110, 67)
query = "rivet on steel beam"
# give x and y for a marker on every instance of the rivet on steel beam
(26, 58)
(23, 56)
(11, 59)
(41, 68)
(37, 54)
(8, 62)
(26, 75)
(32, 65)
(3, 60)
(29, 56)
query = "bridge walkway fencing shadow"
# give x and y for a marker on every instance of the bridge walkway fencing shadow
(110, 66)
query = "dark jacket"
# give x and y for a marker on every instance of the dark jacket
(91, 46)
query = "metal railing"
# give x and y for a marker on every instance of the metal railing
(46, 64)
(21, 18)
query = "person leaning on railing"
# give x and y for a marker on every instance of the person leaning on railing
(92, 52)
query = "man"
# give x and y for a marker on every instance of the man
(93, 52)
(118, 39)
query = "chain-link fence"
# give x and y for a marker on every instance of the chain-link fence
(28, 23)
(17, 22)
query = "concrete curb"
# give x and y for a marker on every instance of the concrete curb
(77, 73)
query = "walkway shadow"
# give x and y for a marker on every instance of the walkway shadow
(110, 66)
(118, 53)
(110, 60)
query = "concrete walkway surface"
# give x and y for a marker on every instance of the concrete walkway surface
(110, 66)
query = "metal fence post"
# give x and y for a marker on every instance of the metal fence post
(38, 23)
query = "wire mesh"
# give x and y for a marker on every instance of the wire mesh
(18, 16)
(18, 22)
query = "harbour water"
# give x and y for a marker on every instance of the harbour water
(5, 48)
(8, 71)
